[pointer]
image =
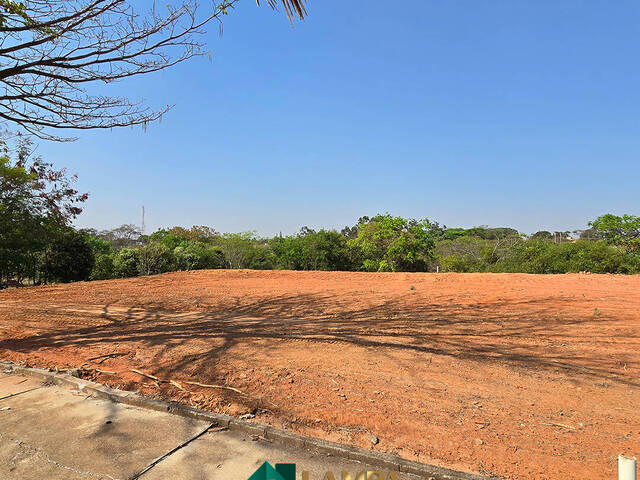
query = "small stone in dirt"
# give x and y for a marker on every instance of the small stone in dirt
(478, 441)
(373, 439)
(235, 409)
(246, 416)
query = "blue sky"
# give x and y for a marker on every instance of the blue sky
(506, 113)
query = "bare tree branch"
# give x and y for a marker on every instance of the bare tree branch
(52, 52)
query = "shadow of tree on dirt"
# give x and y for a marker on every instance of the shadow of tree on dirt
(531, 335)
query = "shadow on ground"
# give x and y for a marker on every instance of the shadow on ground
(529, 335)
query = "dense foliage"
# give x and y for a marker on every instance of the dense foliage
(37, 205)
(382, 243)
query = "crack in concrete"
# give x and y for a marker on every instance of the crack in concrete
(66, 467)
(20, 393)
(171, 452)
(42, 454)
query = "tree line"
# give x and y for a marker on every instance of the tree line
(38, 243)
(382, 243)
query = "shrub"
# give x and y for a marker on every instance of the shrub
(103, 268)
(388, 243)
(125, 263)
(155, 258)
(68, 257)
(589, 256)
(197, 255)
(311, 250)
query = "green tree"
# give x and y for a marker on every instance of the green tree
(125, 263)
(68, 257)
(154, 258)
(463, 254)
(35, 201)
(192, 255)
(99, 245)
(237, 248)
(619, 230)
(261, 257)
(288, 252)
(103, 268)
(453, 233)
(542, 235)
(538, 256)
(311, 250)
(388, 243)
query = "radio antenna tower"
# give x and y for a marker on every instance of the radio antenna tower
(142, 226)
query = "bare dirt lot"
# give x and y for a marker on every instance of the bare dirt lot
(522, 376)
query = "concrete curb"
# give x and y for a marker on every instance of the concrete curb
(383, 461)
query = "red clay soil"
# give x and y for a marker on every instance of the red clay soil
(521, 376)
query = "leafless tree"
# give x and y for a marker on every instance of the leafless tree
(127, 235)
(53, 52)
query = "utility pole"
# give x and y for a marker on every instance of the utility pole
(142, 226)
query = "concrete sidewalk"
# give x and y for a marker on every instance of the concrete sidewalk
(54, 433)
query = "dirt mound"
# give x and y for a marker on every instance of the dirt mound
(516, 375)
